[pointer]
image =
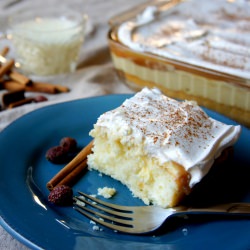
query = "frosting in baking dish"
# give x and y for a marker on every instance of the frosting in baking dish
(211, 34)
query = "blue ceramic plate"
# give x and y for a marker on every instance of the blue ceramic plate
(24, 172)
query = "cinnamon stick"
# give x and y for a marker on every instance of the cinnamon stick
(4, 51)
(67, 174)
(11, 85)
(20, 103)
(48, 88)
(6, 67)
(74, 175)
(18, 77)
(42, 87)
(11, 97)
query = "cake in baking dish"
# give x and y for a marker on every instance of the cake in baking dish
(195, 50)
(157, 146)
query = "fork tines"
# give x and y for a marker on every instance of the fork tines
(116, 217)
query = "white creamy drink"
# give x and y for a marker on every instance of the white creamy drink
(47, 46)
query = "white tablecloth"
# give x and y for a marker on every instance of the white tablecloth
(95, 75)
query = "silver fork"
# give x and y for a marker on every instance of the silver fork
(143, 219)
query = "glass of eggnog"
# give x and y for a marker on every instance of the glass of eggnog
(47, 41)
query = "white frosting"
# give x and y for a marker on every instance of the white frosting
(171, 130)
(213, 34)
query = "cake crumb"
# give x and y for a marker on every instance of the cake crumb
(92, 222)
(106, 192)
(80, 202)
(97, 228)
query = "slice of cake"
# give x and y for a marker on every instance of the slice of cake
(158, 147)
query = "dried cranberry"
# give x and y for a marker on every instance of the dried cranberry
(40, 98)
(61, 195)
(69, 144)
(56, 154)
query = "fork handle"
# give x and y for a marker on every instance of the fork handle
(230, 208)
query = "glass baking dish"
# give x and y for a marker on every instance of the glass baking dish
(181, 48)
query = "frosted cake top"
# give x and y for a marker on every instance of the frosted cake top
(211, 34)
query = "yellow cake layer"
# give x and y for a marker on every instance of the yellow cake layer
(162, 185)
